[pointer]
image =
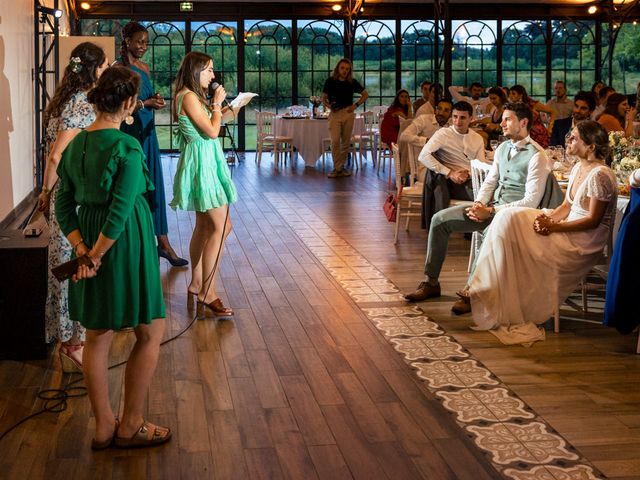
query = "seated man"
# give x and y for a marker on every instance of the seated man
(415, 136)
(429, 107)
(584, 103)
(561, 103)
(473, 95)
(424, 90)
(517, 178)
(447, 156)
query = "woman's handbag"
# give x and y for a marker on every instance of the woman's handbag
(390, 207)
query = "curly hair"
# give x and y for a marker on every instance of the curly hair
(79, 76)
(117, 84)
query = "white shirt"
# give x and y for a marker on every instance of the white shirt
(420, 130)
(537, 173)
(449, 150)
(425, 109)
(485, 105)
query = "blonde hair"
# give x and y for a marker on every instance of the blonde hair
(336, 74)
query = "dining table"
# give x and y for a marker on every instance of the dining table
(308, 134)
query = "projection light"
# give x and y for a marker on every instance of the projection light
(592, 9)
(85, 6)
(336, 8)
(50, 11)
(186, 6)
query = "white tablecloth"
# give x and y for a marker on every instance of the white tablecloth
(621, 207)
(307, 134)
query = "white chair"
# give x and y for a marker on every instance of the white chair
(266, 140)
(367, 139)
(479, 170)
(409, 199)
(601, 269)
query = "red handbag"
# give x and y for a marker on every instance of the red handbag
(390, 207)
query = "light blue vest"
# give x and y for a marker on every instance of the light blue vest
(513, 173)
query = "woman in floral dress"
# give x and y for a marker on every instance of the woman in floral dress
(67, 113)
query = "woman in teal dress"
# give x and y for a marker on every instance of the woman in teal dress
(202, 182)
(135, 40)
(103, 213)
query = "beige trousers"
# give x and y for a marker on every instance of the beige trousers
(340, 130)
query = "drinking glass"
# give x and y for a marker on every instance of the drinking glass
(494, 144)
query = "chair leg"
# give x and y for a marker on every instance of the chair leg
(395, 238)
(259, 154)
(638, 347)
(556, 319)
(585, 303)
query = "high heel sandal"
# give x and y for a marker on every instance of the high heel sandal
(70, 364)
(174, 261)
(217, 308)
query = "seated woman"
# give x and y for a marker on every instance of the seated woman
(549, 250)
(621, 306)
(490, 124)
(538, 132)
(390, 125)
(617, 115)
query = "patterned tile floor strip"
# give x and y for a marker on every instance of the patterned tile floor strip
(519, 443)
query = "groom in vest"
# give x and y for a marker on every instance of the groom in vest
(517, 179)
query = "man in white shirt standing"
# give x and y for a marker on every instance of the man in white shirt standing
(517, 178)
(450, 150)
(562, 105)
(415, 136)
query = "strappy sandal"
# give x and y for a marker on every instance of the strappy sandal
(147, 435)
(67, 360)
(217, 308)
(95, 445)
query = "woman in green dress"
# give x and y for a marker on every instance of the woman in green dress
(102, 210)
(202, 182)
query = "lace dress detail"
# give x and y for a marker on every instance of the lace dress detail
(77, 113)
(513, 258)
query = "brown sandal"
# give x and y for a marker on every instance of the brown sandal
(147, 435)
(217, 308)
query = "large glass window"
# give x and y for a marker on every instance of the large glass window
(524, 57)
(418, 54)
(626, 62)
(374, 60)
(473, 53)
(267, 61)
(573, 54)
(320, 47)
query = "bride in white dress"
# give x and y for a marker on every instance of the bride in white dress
(531, 260)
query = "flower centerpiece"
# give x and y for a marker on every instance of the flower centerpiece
(316, 101)
(626, 157)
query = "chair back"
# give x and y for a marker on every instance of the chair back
(395, 153)
(479, 170)
(379, 111)
(370, 122)
(264, 124)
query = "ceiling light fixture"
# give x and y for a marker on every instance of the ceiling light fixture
(186, 6)
(592, 9)
(336, 7)
(85, 6)
(50, 11)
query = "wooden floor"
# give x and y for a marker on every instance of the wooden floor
(301, 384)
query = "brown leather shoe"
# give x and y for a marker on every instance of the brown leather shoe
(462, 306)
(423, 292)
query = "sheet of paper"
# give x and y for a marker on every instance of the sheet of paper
(236, 104)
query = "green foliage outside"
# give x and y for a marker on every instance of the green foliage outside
(268, 59)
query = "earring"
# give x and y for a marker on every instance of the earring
(128, 120)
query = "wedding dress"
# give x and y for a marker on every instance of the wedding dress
(521, 276)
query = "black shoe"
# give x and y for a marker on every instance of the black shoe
(423, 292)
(174, 261)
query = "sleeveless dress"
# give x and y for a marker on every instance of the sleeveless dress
(521, 276)
(77, 113)
(203, 180)
(103, 181)
(143, 129)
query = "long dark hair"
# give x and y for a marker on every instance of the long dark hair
(520, 90)
(336, 74)
(128, 31)
(79, 76)
(592, 133)
(611, 107)
(189, 77)
(396, 102)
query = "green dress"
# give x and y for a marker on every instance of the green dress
(202, 179)
(102, 191)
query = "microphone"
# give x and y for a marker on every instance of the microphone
(211, 90)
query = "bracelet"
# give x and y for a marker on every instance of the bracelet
(45, 190)
(74, 246)
(216, 104)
